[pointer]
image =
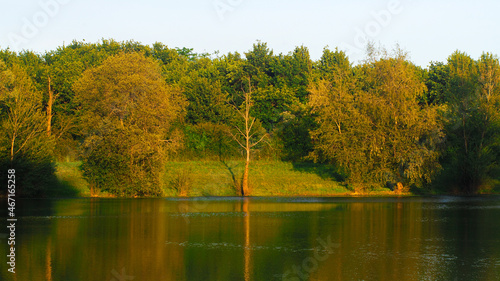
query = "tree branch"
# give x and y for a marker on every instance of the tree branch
(236, 139)
(254, 144)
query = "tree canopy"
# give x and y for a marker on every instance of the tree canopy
(25, 145)
(372, 125)
(127, 114)
(124, 108)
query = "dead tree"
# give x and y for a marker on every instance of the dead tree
(247, 134)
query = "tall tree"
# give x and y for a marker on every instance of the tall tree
(203, 89)
(473, 130)
(128, 112)
(373, 126)
(462, 128)
(28, 148)
(247, 134)
(489, 105)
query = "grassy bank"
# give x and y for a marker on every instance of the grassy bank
(200, 178)
(216, 178)
(71, 181)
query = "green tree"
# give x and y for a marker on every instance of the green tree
(269, 104)
(258, 64)
(472, 92)
(293, 133)
(489, 105)
(25, 145)
(127, 115)
(436, 80)
(203, 89)
(372, 125)
(462, 126)
(331, 62)
(174, 66)
(297, 72)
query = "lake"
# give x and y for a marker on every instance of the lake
(414, 238)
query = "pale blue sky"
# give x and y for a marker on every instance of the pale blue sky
(428, 30)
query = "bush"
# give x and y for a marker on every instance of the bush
(113, 162)
(182, 181)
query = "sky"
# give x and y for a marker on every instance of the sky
(427, 30)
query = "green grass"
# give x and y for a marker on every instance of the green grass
(70, 181)
(266, 178)
(216, 178)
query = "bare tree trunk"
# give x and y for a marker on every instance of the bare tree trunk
(12, 147)
(244, 183)
(247, 135)
(49, 110)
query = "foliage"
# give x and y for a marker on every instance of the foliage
(294, 133)
(472, 92)
(127, 113)
(437, 76)
(371, 124)
(209, 141)
(381, 121)
(206, 100)
(25, 145)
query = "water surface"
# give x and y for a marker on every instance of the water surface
(441, 238)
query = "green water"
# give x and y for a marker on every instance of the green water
(442, 238)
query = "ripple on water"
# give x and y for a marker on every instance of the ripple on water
(43, 218)
(235, 246)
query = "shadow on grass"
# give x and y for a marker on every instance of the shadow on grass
(41, 179)
(325, 171)
(421, 191)
(62, 188)
(496, 181)
(69, 181)
(236, 183)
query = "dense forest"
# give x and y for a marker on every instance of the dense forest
(124, 109)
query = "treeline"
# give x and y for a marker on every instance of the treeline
(124, 108)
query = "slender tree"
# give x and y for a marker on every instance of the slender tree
(247, 133)
(50, 104)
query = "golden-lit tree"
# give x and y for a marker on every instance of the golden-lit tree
(25, 145)
(247, 134)
(372, 125)
(127, 116)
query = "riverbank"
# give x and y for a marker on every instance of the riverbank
(267, 178)
(222, 178)
(218, 178)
